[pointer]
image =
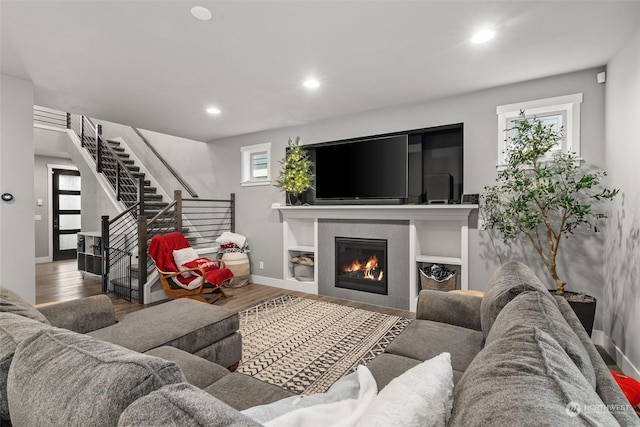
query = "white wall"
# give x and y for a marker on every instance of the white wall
(622, 250)
(17, 235)
(188, 157)
(255, 218)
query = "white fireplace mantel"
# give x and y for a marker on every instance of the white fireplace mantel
(432, 230)
(379, 212)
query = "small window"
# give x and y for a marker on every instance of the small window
(562, 112)
(255, 164)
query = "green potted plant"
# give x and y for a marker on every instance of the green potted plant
(295, 172)
(543, 195)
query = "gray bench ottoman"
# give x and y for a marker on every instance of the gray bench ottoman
(205, 330)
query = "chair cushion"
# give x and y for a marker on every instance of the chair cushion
(183, 323)
(510, 280)
(182, 405)
(13, 330)
(425, 339)
(61, 378)
(183, 256)
(526, 375)
(11, 302)
(532, 309)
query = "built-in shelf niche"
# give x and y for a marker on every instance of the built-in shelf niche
(437, 234)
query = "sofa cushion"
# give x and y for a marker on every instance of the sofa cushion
(198, 371)
(13, 330)
(526, 375)
(62, 378)
(11, 302)
(182, 405)
(242, 391)
(424, 339)
(183, 323)
(510, 280)
(533, 309)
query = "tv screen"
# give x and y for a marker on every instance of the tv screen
(367, 169)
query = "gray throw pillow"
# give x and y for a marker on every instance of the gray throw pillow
(525, 378)
(182, 405)
(61, 378)
(532, 309)
(13, 330)
(11, 302)
(510, 280)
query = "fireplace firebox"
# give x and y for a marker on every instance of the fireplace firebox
(361, 264)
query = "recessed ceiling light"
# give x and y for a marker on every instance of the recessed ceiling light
(213, 110)
(311, 83)
(201, 13)
(483, 36)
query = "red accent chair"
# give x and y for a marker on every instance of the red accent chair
(203, 277)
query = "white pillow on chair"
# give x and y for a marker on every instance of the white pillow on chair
(182, 256)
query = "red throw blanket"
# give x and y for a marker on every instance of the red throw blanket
(161, 250)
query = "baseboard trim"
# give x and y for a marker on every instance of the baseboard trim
(43, 259)
(290, 285)
(600, 338)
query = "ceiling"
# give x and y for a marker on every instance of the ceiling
(152, 65)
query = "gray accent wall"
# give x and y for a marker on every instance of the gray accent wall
(582, 263)
(621, 299)
(397, 235)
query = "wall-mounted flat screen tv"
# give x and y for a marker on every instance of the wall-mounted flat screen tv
(365, 169)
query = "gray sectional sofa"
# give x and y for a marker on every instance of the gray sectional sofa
(519, 357)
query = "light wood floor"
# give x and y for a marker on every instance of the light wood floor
(61, 281)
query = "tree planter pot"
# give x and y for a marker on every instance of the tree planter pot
(584, 306)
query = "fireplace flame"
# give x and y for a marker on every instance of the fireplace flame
(369, 269)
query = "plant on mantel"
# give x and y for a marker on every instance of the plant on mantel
(542, 193)
(295, 172)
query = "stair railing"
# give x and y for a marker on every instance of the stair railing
(166, 164)
(109, 163)
(200, 220)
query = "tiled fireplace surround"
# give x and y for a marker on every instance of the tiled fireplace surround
(397, 235)
(416, 235)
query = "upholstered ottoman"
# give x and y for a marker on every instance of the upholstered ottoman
(205, 330)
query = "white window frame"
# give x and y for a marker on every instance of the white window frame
(568, 106)
(246, 153)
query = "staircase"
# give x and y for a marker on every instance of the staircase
(127, 188)
(128, 272)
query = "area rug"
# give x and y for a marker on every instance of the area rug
(304, 345)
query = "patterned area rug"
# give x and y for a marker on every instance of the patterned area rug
(304, 345)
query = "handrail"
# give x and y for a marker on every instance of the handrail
(120, 166)
(165, 163)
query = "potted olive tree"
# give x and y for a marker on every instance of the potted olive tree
(295, 176)
(543, 195)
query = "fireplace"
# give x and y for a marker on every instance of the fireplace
(361, 264)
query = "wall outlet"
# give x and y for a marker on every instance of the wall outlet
(261, 265)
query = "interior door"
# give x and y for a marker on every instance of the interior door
(66, 213)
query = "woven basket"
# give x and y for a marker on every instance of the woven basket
(239, 265)
(427, 282)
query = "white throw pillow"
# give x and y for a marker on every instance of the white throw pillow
(182, 256)
(421, 397)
